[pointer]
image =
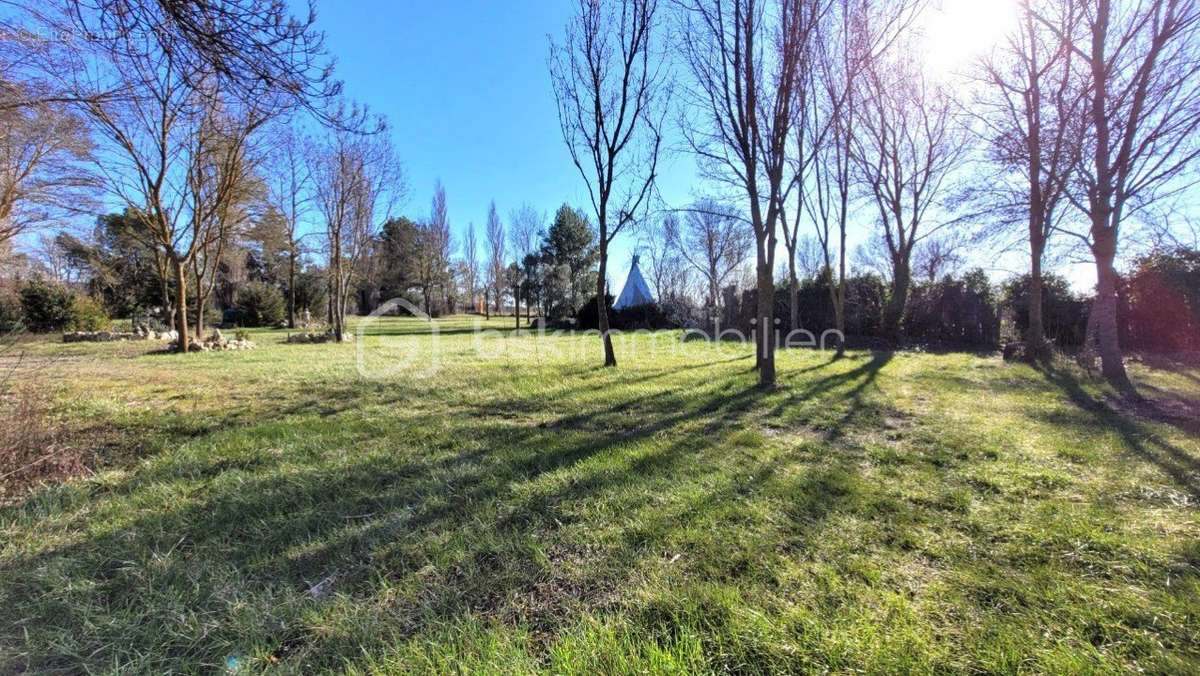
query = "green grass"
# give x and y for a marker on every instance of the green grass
(524, 510)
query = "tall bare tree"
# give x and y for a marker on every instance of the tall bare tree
(357, 180)
(852, 35)
(289, 192)
(433, 253)
(610, 87)
(908, 143)
(175, 154)
(744, 57)
(1031, 111)
(496, 267)
(714, 241)
(471, 264)
(1142, 78)
(524, 233)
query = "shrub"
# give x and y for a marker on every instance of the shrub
(1064, 314)
(11, 316)
(87, 315)
(1162, 301)
(259, 304)
(47, 307)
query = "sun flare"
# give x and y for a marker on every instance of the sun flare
(956, 32)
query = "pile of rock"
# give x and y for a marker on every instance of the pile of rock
(311, 337)
(138, 333)
(216, 343)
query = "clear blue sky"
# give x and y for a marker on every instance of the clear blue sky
(466, 88)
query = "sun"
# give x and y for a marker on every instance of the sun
(955, 33)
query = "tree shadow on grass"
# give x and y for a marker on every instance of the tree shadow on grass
(1175, 462)
(446, 517)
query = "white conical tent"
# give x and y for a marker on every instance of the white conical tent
(635, 292)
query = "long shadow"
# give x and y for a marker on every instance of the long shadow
(480, 481)
(309, 523)
(1172, 460)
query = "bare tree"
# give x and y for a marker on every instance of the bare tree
(609, 85)
(936, 257)
(667, 267)
(908, 144)
(744, 57)
(289, 192)
(1142, 67)
(250, 51)
(714, 242)
(175, 154)
(525, 231)
(471, 262)
(224, 172)
(44, 151)
(853, 35)
(496, 269)
(1031, 109)
(434, 251)
(810, 262)
(357, 180)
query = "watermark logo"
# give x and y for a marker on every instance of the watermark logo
(388, 349)
(379, 355)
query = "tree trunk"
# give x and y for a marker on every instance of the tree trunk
(1035, 332)
(292, 288)
(766, 329)
(181, 320)
(610, 357)
(198, 296)
(837, 297)
(517, 308)
(487, 308)
(1112, 365)
(793, 298)
(893, 312)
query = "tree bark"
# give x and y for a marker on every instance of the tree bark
(610, 357)
(1105, 307)
(181, 320)
(766, 330)
(893, 312)
(1035, 333)
(292, 288)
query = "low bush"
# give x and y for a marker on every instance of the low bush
(87, 315)
(12, 318)
(46, 307)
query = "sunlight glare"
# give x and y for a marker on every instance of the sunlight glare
(956, 32)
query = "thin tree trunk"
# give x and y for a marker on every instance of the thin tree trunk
(181, 319)
(292, 288)
(610, 357)
(793, 296)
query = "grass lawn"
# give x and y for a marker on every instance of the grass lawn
(521, 510)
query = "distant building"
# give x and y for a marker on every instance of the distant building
(636, 292)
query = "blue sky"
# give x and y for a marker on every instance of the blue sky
(466, 88)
